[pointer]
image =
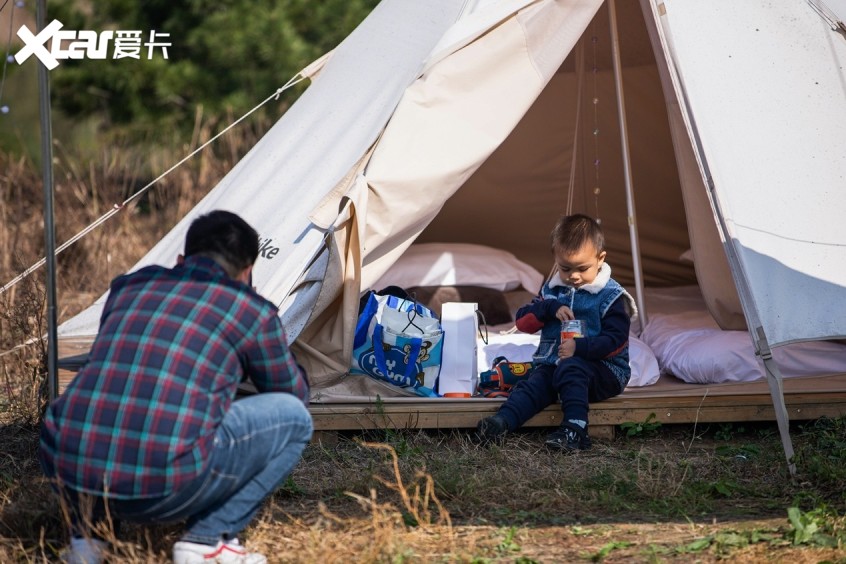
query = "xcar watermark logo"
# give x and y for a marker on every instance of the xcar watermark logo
(71, 44)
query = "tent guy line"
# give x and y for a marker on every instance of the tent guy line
(117, 208)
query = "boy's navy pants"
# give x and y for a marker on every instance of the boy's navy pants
(575, 381)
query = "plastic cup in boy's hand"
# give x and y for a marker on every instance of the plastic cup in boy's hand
(572, 329)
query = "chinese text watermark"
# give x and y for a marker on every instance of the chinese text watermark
(71, 44)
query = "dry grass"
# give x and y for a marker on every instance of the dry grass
(424, 496)
(677, 495)
(86, 189)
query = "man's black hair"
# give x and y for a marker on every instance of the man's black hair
(224, 237)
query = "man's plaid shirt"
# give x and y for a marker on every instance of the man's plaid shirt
(140, 418)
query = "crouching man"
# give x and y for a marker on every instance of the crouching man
(149, 431)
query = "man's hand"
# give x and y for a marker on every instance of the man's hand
(567, 348)
(564, 313)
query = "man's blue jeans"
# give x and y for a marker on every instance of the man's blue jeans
(259, 442)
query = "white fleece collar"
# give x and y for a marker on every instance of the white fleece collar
(602, 278)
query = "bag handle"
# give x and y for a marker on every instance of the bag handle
(364, 318)
(483, 323)
(412, 315)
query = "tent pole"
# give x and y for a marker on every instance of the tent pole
(775, 380)
(627, 164)
(49, 229)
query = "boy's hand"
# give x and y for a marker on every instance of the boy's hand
(564, 313)
(567, 348)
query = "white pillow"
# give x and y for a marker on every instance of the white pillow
(643, 363)
(516, 347)
(519, 347)
(460, 264)
(693, 349)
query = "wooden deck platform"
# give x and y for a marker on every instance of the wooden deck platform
(670, 400)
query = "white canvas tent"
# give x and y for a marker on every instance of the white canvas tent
(478, 122)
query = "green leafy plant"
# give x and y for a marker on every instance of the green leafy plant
(646, 427)
(727, 541)
(724, 542)
(724, 488)
(607, 548)
(581, 531)
(291, 487)
(508, 544)
(809, 528)
(804, 526)
(697, 545)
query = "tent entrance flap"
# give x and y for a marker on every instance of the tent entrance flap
(773, 179)
(745, 218)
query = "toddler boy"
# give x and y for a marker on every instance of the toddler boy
(575, 371)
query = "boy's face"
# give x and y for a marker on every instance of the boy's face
(579, 268)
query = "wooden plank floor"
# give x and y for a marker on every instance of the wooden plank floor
(671, 401)
(604, 416)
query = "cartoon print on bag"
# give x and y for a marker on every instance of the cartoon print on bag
(424, 351)
(422, 356)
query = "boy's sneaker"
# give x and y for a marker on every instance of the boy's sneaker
(85, 551)
(230, 552)
(491, 429)
(568, 437)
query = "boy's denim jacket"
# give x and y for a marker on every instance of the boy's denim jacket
(589, 303)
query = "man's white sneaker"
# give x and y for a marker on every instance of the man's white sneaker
(230, 552)
(84, 551)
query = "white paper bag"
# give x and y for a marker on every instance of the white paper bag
(459, 369)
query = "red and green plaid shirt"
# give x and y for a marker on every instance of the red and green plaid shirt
(140, 418)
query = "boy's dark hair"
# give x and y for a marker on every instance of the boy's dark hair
(571, 232)
(225, 238)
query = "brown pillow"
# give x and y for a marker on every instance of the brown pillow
(492, 303)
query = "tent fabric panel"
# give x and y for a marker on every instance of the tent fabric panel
(770, 107)
(325, 345)
(552, 30)
(713, 273)
(477, 17)
(710, 262)
(304, 155)
(447, 124)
